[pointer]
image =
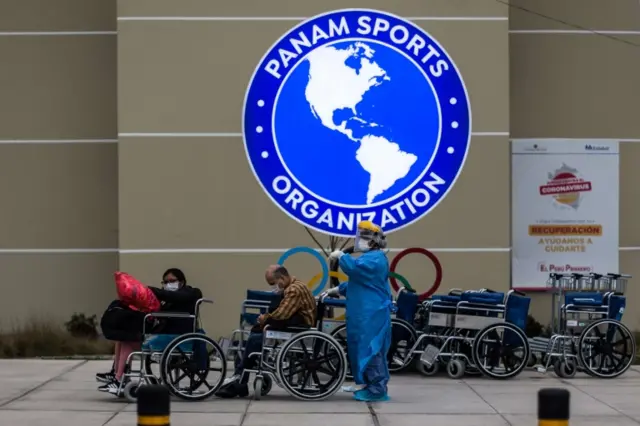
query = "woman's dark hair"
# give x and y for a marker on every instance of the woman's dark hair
(176, 273)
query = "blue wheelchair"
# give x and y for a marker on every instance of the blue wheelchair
(588, 334)
(475, 331)
(192, 366)
(305, 361)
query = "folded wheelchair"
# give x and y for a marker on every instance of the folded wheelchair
(192, 366)
(306, 362)
(476, 331)
(588, 334)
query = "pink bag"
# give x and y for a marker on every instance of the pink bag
(136, 295)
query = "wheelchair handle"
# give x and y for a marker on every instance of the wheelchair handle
(206, 301)
(519, 293)
(616, 276)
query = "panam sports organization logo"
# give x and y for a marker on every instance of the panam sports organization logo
(566, 187)
(356, 115)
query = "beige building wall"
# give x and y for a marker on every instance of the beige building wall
(58, 158)
(178, 78)
(567, 82)
(176, 189)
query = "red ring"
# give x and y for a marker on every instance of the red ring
(425, 252)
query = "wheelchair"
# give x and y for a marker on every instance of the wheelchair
(467, 332)
(307, 363)
(184, 362)
(256, 303)
(588, 335)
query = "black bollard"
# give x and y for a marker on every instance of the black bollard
(553, 407)
(153, 406)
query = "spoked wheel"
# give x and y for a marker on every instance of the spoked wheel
(501, 351)
(193, 367)
(312, 366)
(150, 376)
(340, 334)
(403, 337)
(606, 349)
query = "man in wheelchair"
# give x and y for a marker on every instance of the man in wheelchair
(297, 309)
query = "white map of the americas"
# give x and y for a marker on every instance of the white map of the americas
(334, 86)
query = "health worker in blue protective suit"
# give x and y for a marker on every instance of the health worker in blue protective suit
(368, 316)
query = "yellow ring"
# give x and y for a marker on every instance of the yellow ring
(332, 274)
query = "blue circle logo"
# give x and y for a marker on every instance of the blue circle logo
(356, 115)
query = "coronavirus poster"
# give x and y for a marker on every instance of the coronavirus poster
(564, 209)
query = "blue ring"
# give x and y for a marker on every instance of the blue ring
(325, 268)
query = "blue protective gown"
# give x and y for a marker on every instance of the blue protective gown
(368, 316)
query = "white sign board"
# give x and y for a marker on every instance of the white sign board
(564, 208)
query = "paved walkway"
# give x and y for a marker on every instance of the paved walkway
(39, 393)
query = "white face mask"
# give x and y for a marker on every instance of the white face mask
(363, 245)
(173, 286)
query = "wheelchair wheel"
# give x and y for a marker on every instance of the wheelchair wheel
(150, 376)
(311, 366)
(340, 334)
(565, 369)
(193, 367)
(261, 387)
(456, 368)
(501, 351)
(427, 370)
(130, 391)
(606, 349)
(403, 337)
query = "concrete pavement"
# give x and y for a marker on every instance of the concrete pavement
(39, 393)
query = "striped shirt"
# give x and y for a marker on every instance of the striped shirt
(297, 299)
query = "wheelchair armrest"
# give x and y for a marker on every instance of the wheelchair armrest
(336, 303)
(206, 301)
(298, 329)
(479, 305)
(169, 315)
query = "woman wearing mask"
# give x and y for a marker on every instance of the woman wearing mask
(125, 325)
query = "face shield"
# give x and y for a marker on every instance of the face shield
(368, 234)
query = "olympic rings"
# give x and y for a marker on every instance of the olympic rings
(323, 264)
(316, 291)
(425, 252)
(403, 280)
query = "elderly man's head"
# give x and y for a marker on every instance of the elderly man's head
(268, 275)
(278, 275)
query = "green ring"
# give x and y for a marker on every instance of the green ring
(403, 280)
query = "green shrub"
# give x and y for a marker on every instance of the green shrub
(533, 328)
(82, 326)
(41, 338)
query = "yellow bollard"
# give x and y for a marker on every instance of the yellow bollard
(553, 407)
(153, 406)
